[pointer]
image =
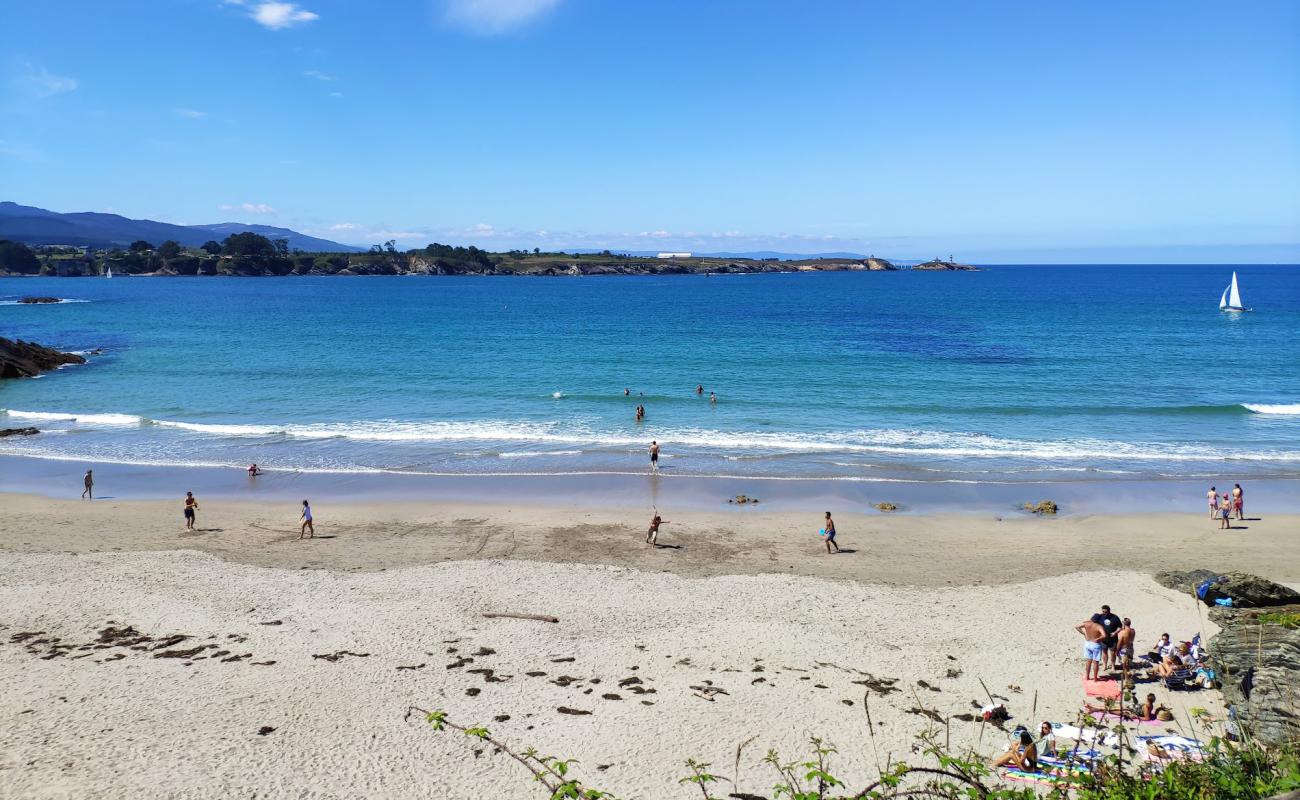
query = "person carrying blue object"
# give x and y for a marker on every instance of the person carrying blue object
(828, 532)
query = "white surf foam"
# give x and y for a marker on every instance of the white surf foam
(1273, 408)
(87, 419)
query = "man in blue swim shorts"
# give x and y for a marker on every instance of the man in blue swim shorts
(1093, 636)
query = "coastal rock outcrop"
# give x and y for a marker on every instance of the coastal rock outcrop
(19, 359)
(879, 265)
(1046, 507)
(29, 300)
(17, 432)
(949, 266)
(1257, 650)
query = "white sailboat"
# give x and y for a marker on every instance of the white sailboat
(109, 273)
(1231, 299)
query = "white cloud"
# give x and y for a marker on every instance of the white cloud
(344, 226)
(248, 208)
(496, 16)
(318, 75)
(336, 94)
(281, 15)
(190, 113)
(654, 234)
(39, 81)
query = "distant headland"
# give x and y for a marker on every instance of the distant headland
(253, 255)
(34, 241)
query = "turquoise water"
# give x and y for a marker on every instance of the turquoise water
(1013, 373)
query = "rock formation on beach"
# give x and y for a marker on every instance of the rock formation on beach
(17, 432)
(1257, 652)
(29, 300)
(19, 359)
(945, 266)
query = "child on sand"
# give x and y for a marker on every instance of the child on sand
(306, 521)
(191, 505)
(652, 535)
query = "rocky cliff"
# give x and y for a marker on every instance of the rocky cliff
(1257, 652)
(948, 266)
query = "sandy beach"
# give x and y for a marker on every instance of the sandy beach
(742, 627)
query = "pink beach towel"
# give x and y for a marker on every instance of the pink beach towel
(1102, 688)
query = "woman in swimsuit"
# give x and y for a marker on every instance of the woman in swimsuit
(1239, 501)
(1022, 754)
(1213, 497)
(191, 505)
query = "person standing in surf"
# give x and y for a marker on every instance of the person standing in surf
(1239, 501)
(654, 456)
(191, 505)
(89, 483)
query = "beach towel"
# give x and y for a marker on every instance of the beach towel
(1175, 748)
(1109, 717)
(1097, 736)
(1062, 766)
(1043, 778)
(1102, 688)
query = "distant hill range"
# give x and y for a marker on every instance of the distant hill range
(34, 226)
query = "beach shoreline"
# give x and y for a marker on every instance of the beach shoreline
(61, 478)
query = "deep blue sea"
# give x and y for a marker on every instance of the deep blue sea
(1012, 373)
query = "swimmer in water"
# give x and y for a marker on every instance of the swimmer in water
(699, 390)
(713, 398)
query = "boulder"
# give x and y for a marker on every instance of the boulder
(884, 506)
(19, 359)
(33, 300)
(1042, 507)
(17, 432)
(741, 499)
(879, 265)
(1245, 590)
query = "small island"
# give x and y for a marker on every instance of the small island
(250, 255)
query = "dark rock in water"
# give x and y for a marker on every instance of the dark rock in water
(945, 266)
(1257, 657)
(1044, 507)
(18, 432)
(19, 359)
(29, 300)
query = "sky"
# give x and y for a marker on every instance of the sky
(994, 131)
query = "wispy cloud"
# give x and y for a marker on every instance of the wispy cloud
(277, 16)
(344, 226)
(190, 113)
(336, 94)
(248, 208)
(39, 81)
(318, 75)
(496, 16)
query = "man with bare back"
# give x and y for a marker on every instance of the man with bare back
(1124, 644)
(1093, 636)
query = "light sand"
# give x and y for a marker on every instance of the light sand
(90, 723)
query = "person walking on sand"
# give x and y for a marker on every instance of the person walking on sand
(191, 505)
(652, 535)
(1093, 637)
(654, 456)
(1213, 497)
(89, 482)
(1239, 501)
(828, 531)
(306, 521)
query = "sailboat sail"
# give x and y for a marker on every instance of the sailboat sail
(1223, 300)
(1234, 296)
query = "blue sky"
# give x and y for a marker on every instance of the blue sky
(992, 130)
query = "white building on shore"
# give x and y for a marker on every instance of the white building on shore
(673, 255)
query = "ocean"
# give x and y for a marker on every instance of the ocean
(1014, 373)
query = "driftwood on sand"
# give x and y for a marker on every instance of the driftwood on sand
(538, 617)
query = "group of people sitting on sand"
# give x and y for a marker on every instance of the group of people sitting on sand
(1224, 508)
